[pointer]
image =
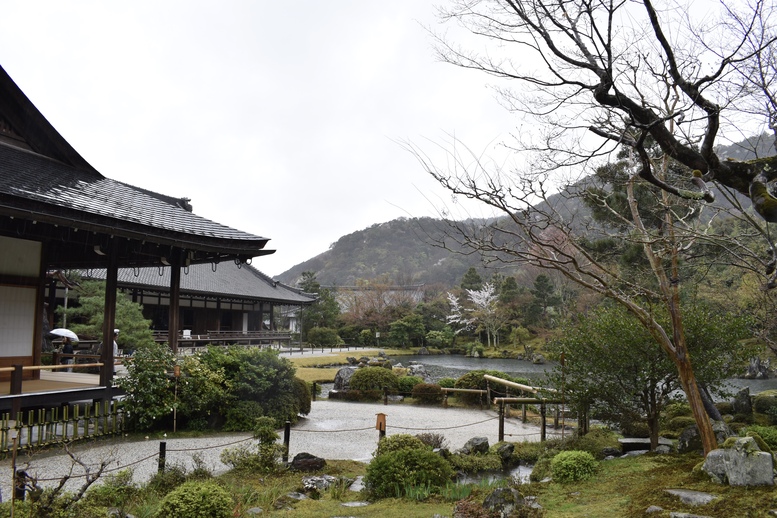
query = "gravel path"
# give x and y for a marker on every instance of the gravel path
(333, 430)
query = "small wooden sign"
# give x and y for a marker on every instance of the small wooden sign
(380, 424)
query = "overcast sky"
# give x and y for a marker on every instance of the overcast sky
(276, 118)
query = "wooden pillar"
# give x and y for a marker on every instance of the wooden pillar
(109, 317)
(175, 299)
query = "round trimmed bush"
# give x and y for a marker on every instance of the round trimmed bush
(475, 380)
(196, 499)
(428, 393)
(304, 395)
(572, 466)
(373, 378)
(764, 402)
(405, 384)
(400, 441)
(447, 382)
(680, 423)
(392, 474)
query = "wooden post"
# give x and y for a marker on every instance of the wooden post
(16, 388)
(380, 424)
(315, 388)
(555, 419)
(501, 421)
(162, 457)
(543, 412)
(523, 413)
(286, 440)
(385, 395)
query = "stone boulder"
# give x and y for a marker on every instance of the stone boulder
(759, 369)
(418, 370)
(307, 462)
(743, 465)
(505, 451)
(477, 445)
(690, 440)
(343, 378)
(323, 482)
(742, 403)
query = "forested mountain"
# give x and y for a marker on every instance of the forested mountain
(403, 251)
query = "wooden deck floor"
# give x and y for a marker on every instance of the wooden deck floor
(54, 381)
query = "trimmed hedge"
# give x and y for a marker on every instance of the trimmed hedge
(572, 466)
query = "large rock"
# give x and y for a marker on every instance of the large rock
(690, 440)
(505, 451)
(759, 369)
(418, 370)
(743, 465)
(742, 403)
(475, 445)
(343, 378)
(307, 462)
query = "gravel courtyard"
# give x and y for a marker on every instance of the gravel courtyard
(333, 430)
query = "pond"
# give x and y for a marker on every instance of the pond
(455, 366)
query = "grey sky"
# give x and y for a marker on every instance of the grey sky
(277, 118)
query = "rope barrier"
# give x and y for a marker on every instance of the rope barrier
(337, 431)
(213, 447)
(447, 427)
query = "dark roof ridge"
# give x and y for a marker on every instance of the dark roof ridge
(29, 123)
(274, 282)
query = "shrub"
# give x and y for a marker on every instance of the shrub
(531, 451)
(473, 463)
(241, 416)
(166, 481)
(258, 375)
(406, 384)
(447, 382)
(680, 423)
(572, 466)
(767, 433)
(149, 391)
(676, 410)
(374, 378)
(765, 401)
(400, 441)
(595, 441)
(725, 407)
(433, 440)
(541, 470)
(394, 473)
(196, 499)
(428, 393)
(323, 337)
(117, 490)
(475, 380)
(304, 395)
(635, 429)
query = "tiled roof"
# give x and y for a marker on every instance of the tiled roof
(228, 280)
(28, 177)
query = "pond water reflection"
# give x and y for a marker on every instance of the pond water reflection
(455, 366)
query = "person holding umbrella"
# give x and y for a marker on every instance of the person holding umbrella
(67, 348)
(68, 339)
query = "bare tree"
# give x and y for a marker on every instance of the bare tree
(599, 76)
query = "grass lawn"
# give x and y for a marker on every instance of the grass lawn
(324, 368)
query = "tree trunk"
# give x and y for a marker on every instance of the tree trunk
(688, 379)
(652, 422)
